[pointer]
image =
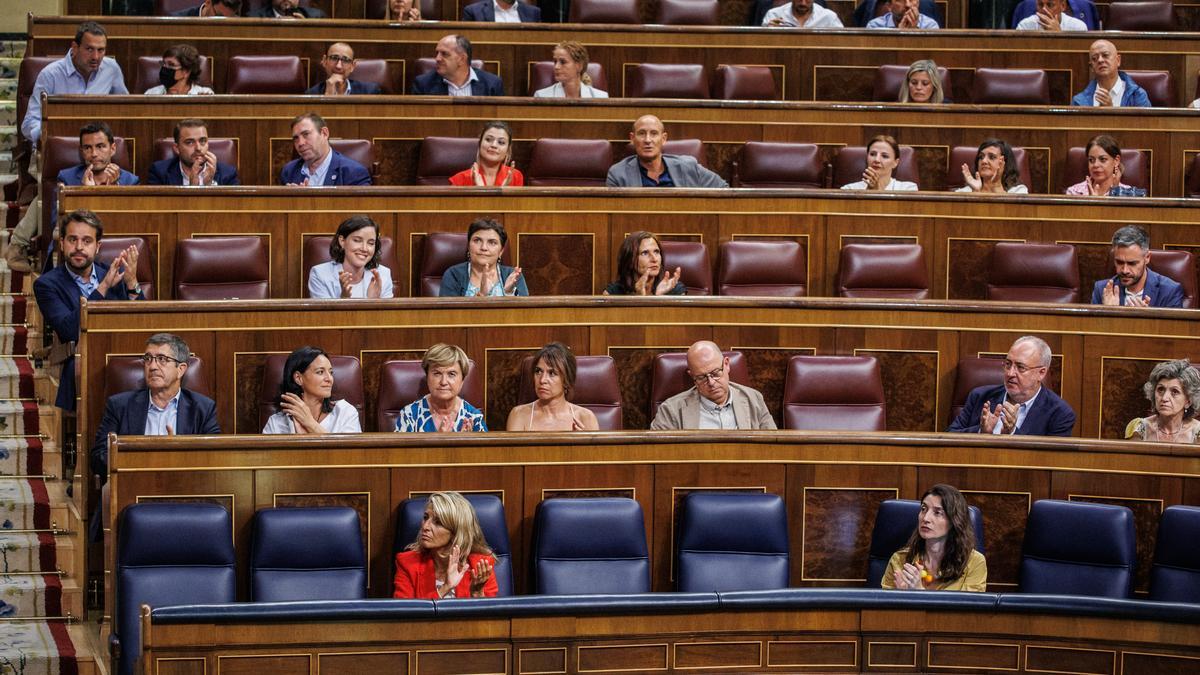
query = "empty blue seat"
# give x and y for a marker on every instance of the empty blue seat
(894, 524)
(590, 546)
(1078, 548)
(1175, 576)
(307, 554)
(169, 554)
(490, 512)
(732, 542)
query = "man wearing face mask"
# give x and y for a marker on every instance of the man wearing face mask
(179, 73)
(193, 164)
(287, 9)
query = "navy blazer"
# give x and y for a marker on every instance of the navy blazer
(58, 299)
(73, 175)
(1049, 416)
(456, 279)
(356, 87)
(268, 12)
(125, 414)
(167, 172)
(1163, 291)
(342, 171)
(433, 84)
(485, 10)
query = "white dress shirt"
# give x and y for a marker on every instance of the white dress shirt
(343, 420)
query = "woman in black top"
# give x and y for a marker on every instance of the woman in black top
(641, 269)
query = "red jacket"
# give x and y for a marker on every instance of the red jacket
(415, 577)
(463, 178)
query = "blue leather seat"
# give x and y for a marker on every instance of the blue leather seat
(732, 542)
(1078, 548)
(1175, 575)
(894, 524)
(169, 554)
(307, 554)
(490, 512)
(583, 546)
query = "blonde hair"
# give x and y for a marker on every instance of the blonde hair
(456, 514)
(442, 355)
(930, 68)
(579, 54)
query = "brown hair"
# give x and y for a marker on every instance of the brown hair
(960, 540)
(189, 60)
(579, 54)
(627, 274)
(559, 357)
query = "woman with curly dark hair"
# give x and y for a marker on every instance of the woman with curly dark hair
(995, 170)
(940, 554)
(642, 269)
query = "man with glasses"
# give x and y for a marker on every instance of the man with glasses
(715, 402)
(339, 63)
(1021, 405)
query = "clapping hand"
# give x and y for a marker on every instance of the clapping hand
(908, 578)
(508, 178)
(510, 283)
(375, 285)
(1004, 414)
(1111, 295)
(668, 283)
(479, 576)
(972, 179)
(109, 176)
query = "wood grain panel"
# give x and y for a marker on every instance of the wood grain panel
(814, 654)
(462, 661)
(351, 664)
(597, 659)
(283, 664)
(829, 515)
(1058, 659)
(180, 666)
(719, 655)
(990, 656)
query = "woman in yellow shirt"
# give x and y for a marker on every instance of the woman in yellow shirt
(940, 555)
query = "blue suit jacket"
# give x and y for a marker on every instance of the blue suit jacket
(58, 299)
(1049, 416)
(1163, 291)
(1135, 96)
(1084, 10)
(166, 172)
(125, 414)
(74, 176)
(432, 84)
(485, 10)
(356, 87)
(342, 171)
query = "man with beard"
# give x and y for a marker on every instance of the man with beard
(319, 164)
(801, 14)
(1135, 284)
(287, 9)
(84, 70)
(1021, 405)
(58, 291)
(193, 163)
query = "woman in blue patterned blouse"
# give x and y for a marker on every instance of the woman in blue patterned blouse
(442, 409)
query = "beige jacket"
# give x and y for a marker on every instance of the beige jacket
(682, 411)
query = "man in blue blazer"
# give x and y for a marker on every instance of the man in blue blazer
(454, 75)
(339, 63)
(1110, 87)
(1135, 284)
(1021, 405)
(58, 291)
(193, 163)
(510, 12)
(319, 164)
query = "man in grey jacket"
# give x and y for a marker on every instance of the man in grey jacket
(649, 167)
(715, 402)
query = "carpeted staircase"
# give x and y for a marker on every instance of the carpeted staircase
(41, 542)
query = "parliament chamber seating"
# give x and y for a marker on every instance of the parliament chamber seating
(31, 67)
(851, 161)
(973, 372)
(604, 11)
(743, 83)
(147, 73)
(169, 554)
(441, 251)
(1010, 86)
(589, 546)
(689, 12)
(376, 71)
(883, 271)
(1033, 272)
(1135, 168)
(171, 7)
(1159, 85)
(265, 75)
(1192, 187)
(1154, 15)
(377, 9)
(427, 64)
(732, 542)
(222, 268)
(316, 251)
(541, 75)
(224, 149)
(779, 165)
(691, 257)
(895, 523)
(126, 373)
(347, 385)
(569, 162)
(1175, 573)
(62, 152)
(443, 156)
(692, 147)
(1179, 266)
(110, 247)
(307, 553)
(489, 510)
(1078, 548)
(965, 154)
(762, 268)
(595, 388)
(834, 393)
(669, 376)
(402, 382)
(666, 80)
(889, 78)
(360, 150)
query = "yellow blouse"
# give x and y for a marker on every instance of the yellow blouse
(973, 579)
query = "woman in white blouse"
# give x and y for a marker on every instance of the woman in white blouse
(304, 398)
(353, 270)
(883, 156)
(571, 79)
(995, 170)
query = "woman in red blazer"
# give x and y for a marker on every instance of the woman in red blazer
(435, 565)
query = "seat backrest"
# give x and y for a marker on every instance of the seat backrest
(541, 75)
(590, 545)
(691, 257)
(883, 271)
(1011, 85)
(973, 372)
(1180, 266)
(265, 75)
(31, 66)
(569, 162)
(894, 524)
(443, 156)
(604, 11)
(125, 373)
(1156, 15)
(148, 66)
(689, 12)
(779, 165)
(377, 72)
(309, 553)
(169, 554)
(965, 154)
(1159, 85)
(347, 384)
(1078, 548)
(1032, 272)
(222, 268)
(1175, 574)
(402, 382)
(666, 80)
(668, 376)
(61, 152)
(743, 83)
(834, 393)
(110, 247)
(1193, 178)
(851, 161)
(224, 149)
(1135, 168)
(763, 268)
(890, 77)
(316, 251)
(732, 542)
(489, 510)
(595, 389)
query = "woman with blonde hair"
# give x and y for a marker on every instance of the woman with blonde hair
(571, 79)
(442, 409)
(922, 84)
(450, 558)
(403, 11)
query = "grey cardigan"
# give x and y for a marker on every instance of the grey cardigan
(684, 169)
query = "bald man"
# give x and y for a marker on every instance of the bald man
(649, 167)
(714, 402)
(339, 63)
(1109, 86)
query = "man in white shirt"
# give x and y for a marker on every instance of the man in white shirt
(905, 15)
(802, 14)
(1052, 15)
(1109, 86)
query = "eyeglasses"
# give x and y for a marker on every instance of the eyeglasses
(160, 359)
(338, 58)
(1021, 367)
(711, 376)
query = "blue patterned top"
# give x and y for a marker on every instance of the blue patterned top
(416, 416)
